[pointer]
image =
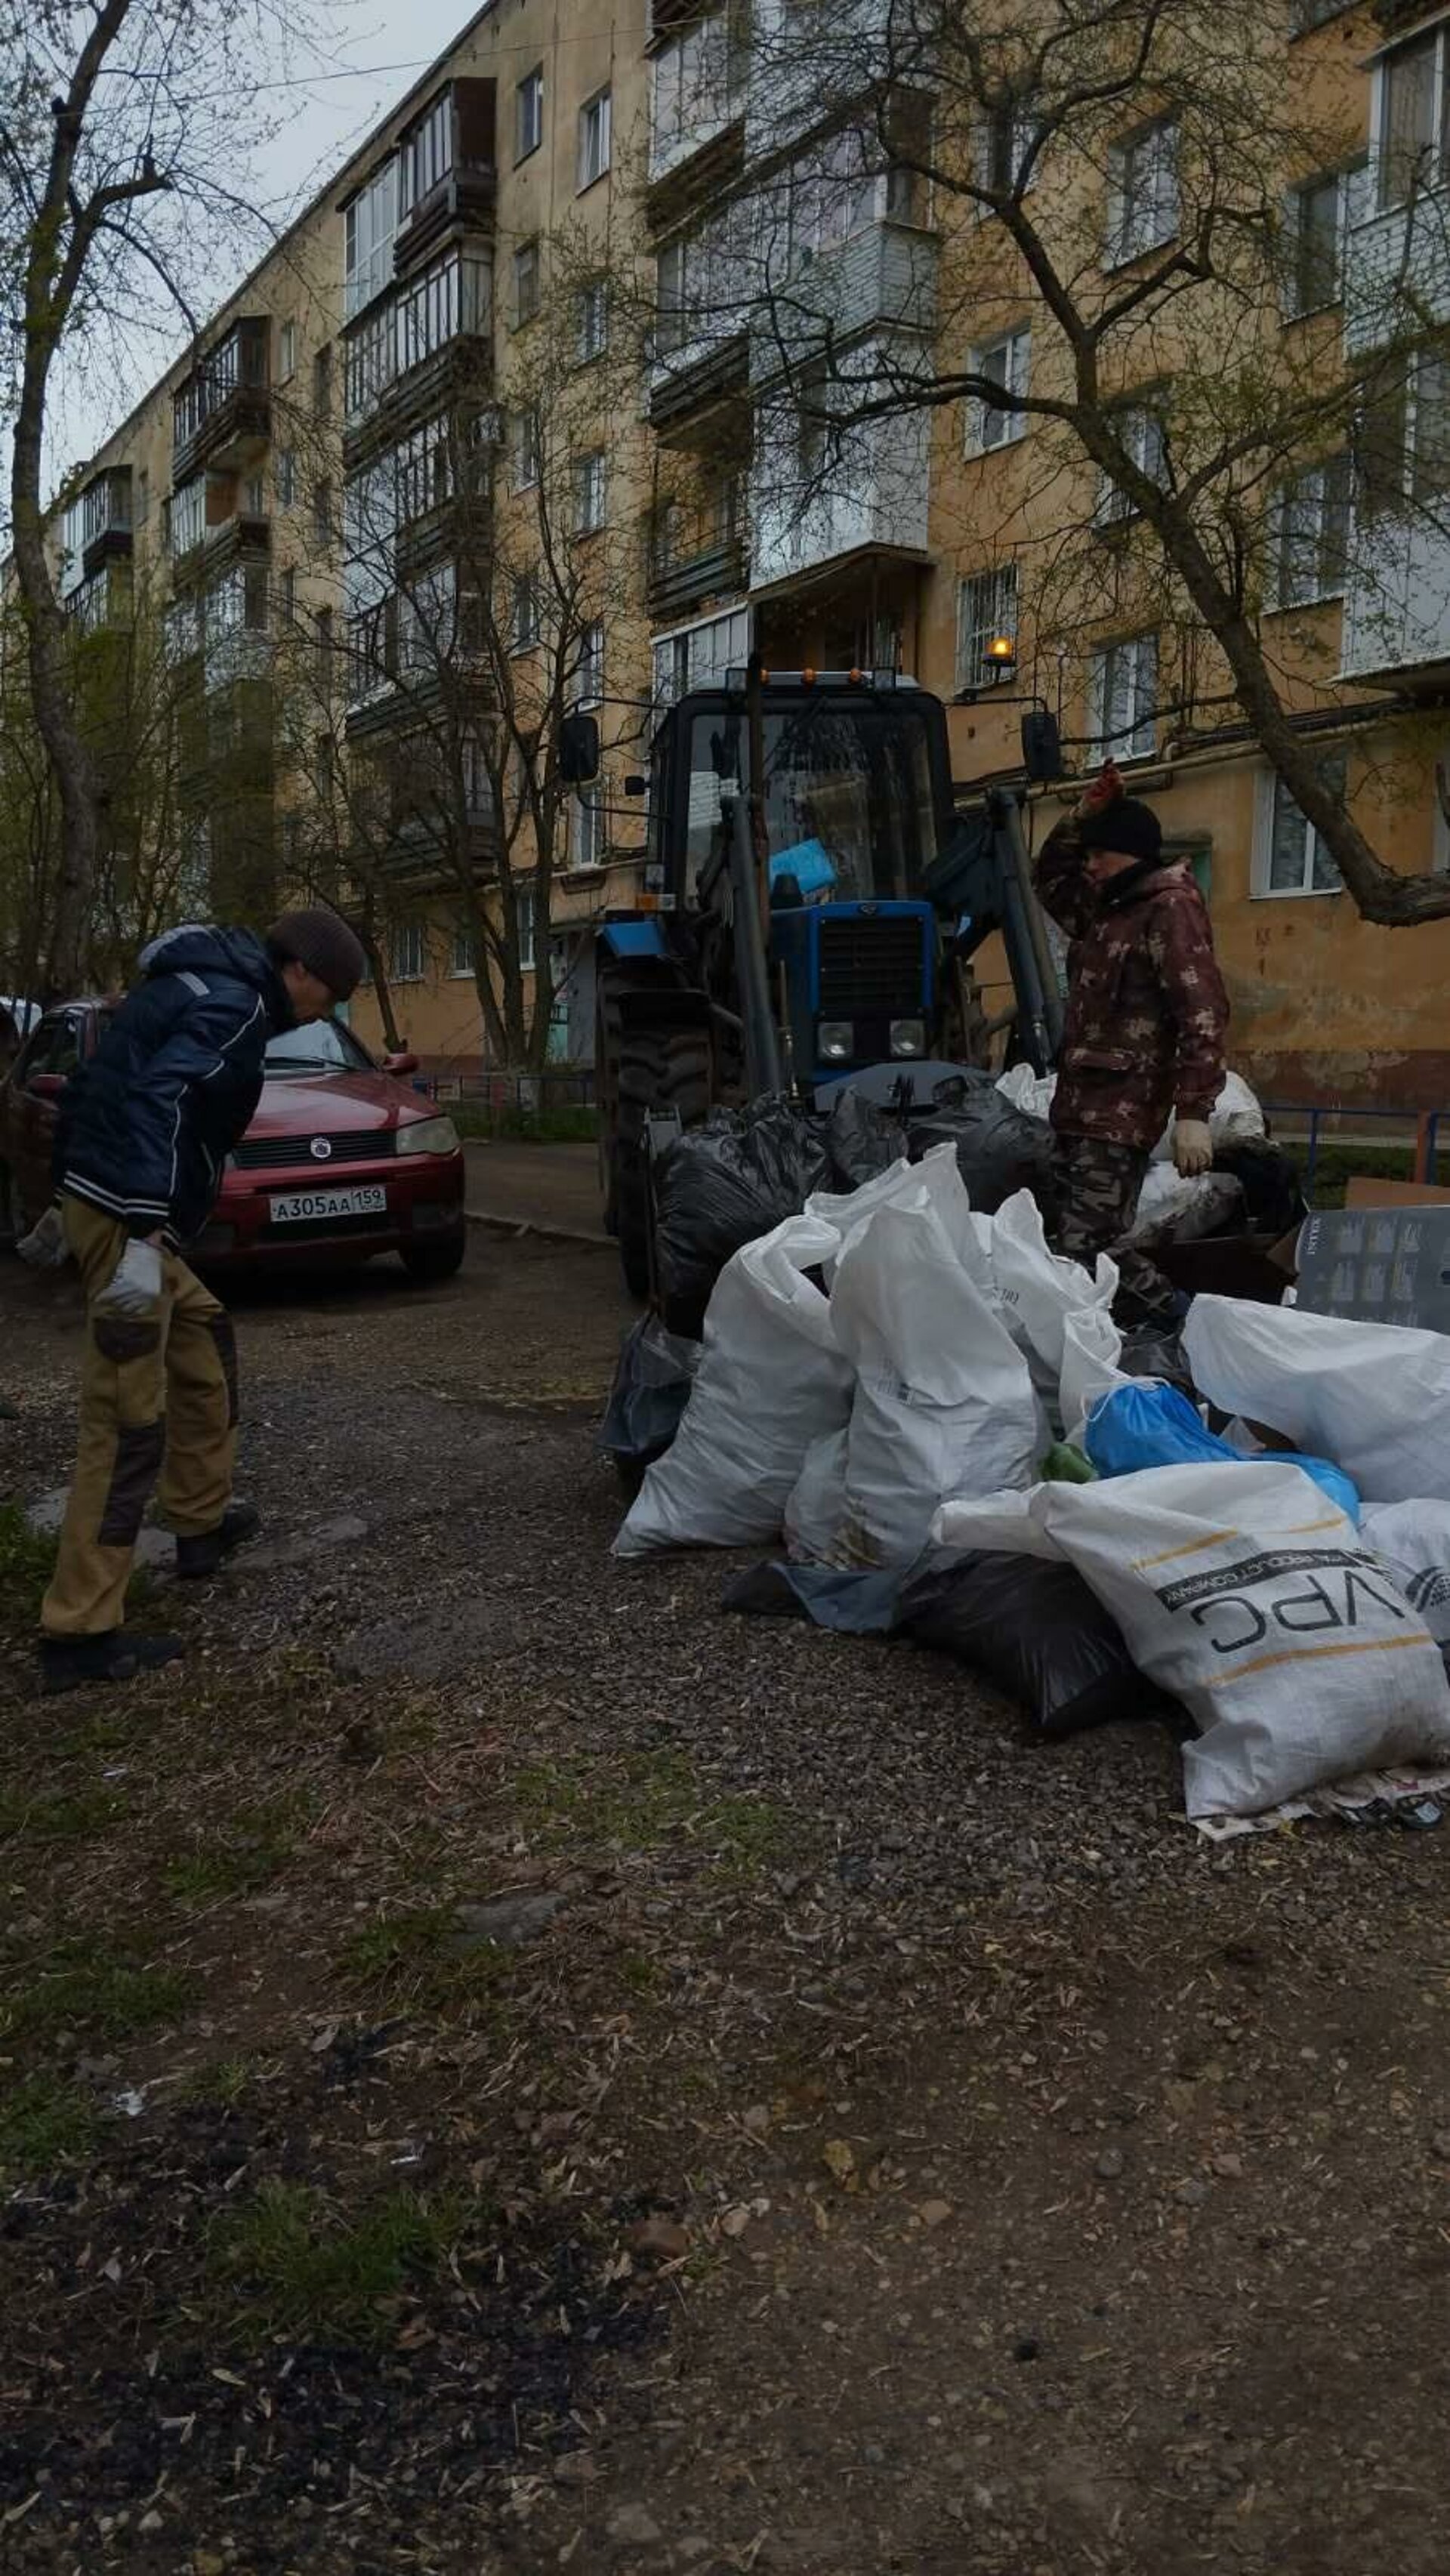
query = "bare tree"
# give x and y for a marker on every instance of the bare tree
(1104, 230)
(126, 127)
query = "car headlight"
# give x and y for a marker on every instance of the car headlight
(428, 1136)
(908, 1037)
(836, 1040)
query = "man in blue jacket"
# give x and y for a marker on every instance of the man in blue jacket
(144, 1134)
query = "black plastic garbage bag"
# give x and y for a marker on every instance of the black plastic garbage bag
(999, 1148)
(1147, 1352)
(650, 1392)
(1037, 1631)
(856, 1605)
(723, 1184)
(1274, 1200)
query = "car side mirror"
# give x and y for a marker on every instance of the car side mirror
(579, 750)
(401, 1063)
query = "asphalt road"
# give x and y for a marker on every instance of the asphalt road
(552, 1187)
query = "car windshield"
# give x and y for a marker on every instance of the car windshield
(848, 795)
(320, 1046)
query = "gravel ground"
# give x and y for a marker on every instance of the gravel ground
(518, 2068)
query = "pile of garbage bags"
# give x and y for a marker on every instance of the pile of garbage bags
(943, 1424)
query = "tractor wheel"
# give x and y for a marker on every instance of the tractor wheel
(659, 1068)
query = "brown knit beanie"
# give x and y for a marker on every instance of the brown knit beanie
(320, 940)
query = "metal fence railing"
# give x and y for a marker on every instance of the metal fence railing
(1343, 1123)
(515, 1094)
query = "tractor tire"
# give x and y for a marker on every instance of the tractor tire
(659, 1068)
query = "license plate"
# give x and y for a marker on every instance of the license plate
(296, 1207)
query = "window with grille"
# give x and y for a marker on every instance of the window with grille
(1311, 551)
(1290, 858)
(986, 606)
(1143, 196)
(1123, 699)
(590, 492)
(594, 129)
(1006, 362)
(529, 113)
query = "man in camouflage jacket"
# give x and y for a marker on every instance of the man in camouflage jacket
(1146, 1021)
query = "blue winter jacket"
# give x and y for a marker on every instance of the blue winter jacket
(147, 1124)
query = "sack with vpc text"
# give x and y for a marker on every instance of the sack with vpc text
(1413, 1540)
(1373, 1397)
(1036, 1631)
(1245, 1594)
(943, 1404)
(771, 1380)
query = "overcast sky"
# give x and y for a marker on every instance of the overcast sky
(385, 48)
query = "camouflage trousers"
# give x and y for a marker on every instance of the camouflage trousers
(1097, 1187)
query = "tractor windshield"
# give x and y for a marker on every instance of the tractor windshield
(848, 794)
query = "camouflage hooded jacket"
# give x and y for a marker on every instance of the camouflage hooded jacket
(1147, 1013)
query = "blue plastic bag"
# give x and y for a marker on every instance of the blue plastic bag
(1150, 1425)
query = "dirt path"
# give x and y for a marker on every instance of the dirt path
(505, 2066)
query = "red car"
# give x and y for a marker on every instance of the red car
(341, 1159)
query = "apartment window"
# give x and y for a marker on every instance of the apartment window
(1141, 431)
(286, 478)
(408, 953)
(526, 912)
(1123, 699)
(369, 225)
(1320, 214)
(699, 656)
(526, 282)
(586, 827)
(1403, 440)
(529, 113)
(322, 382)
(254, 497)
(1414, 137)
(462, 956)
(289, 593)
(1004, 141)
(322, 512)
(986, 606)
(1312, 536)
(188, 516)
(1289, 856)
(286, 351)
(1004, 362)
(427, 154)
(524, 450)
(526, 622)
(593, 320)
(690, 89)
(594, 117)
(324, 653)
(832, 197)
(591, 476)
(589, 666)
(1143, 210)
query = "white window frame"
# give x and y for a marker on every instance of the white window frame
(587, 842)
(286, 351)
(1019, 127)
(285, 478)
(528, 271)
(370, 225)
(461, 955)
(691, 86)
(527, 908)
(591, 492)
(698, 655)
(408, 953)
(1302, 527)
(987, 605)
(1137, 738)
(525, 461)
(1351, 187)
(1143, 434)
(587, 680)
(528, 114)
(1382, 197)
(988, 428)
(1145, 196)
(526, 622)
(596, 119)
(592, 318)
(1269, 792)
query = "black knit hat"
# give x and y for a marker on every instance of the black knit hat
(1127, 826)
(320, 940)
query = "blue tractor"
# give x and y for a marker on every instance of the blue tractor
(812, 903)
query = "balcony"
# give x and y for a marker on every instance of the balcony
(448, 177)
(222, 415)
(694, 555)
(699, 394)
(817, 506)
(697, 108)
(880, 280)
(426, 348)
(1397, 600)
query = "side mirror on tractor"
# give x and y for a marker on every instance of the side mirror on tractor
(1041, 747)
(579, 750)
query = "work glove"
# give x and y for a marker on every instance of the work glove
(1101, 791)
(45, 1247)
(135, 1284)
(1192, 1147)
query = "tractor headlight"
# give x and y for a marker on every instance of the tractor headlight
(428, 1136)
(836, 1040)
(908, 1037)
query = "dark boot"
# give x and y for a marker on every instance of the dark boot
(198, 1557)
(78, 1663)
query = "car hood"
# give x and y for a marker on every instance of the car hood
(328, 1104)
